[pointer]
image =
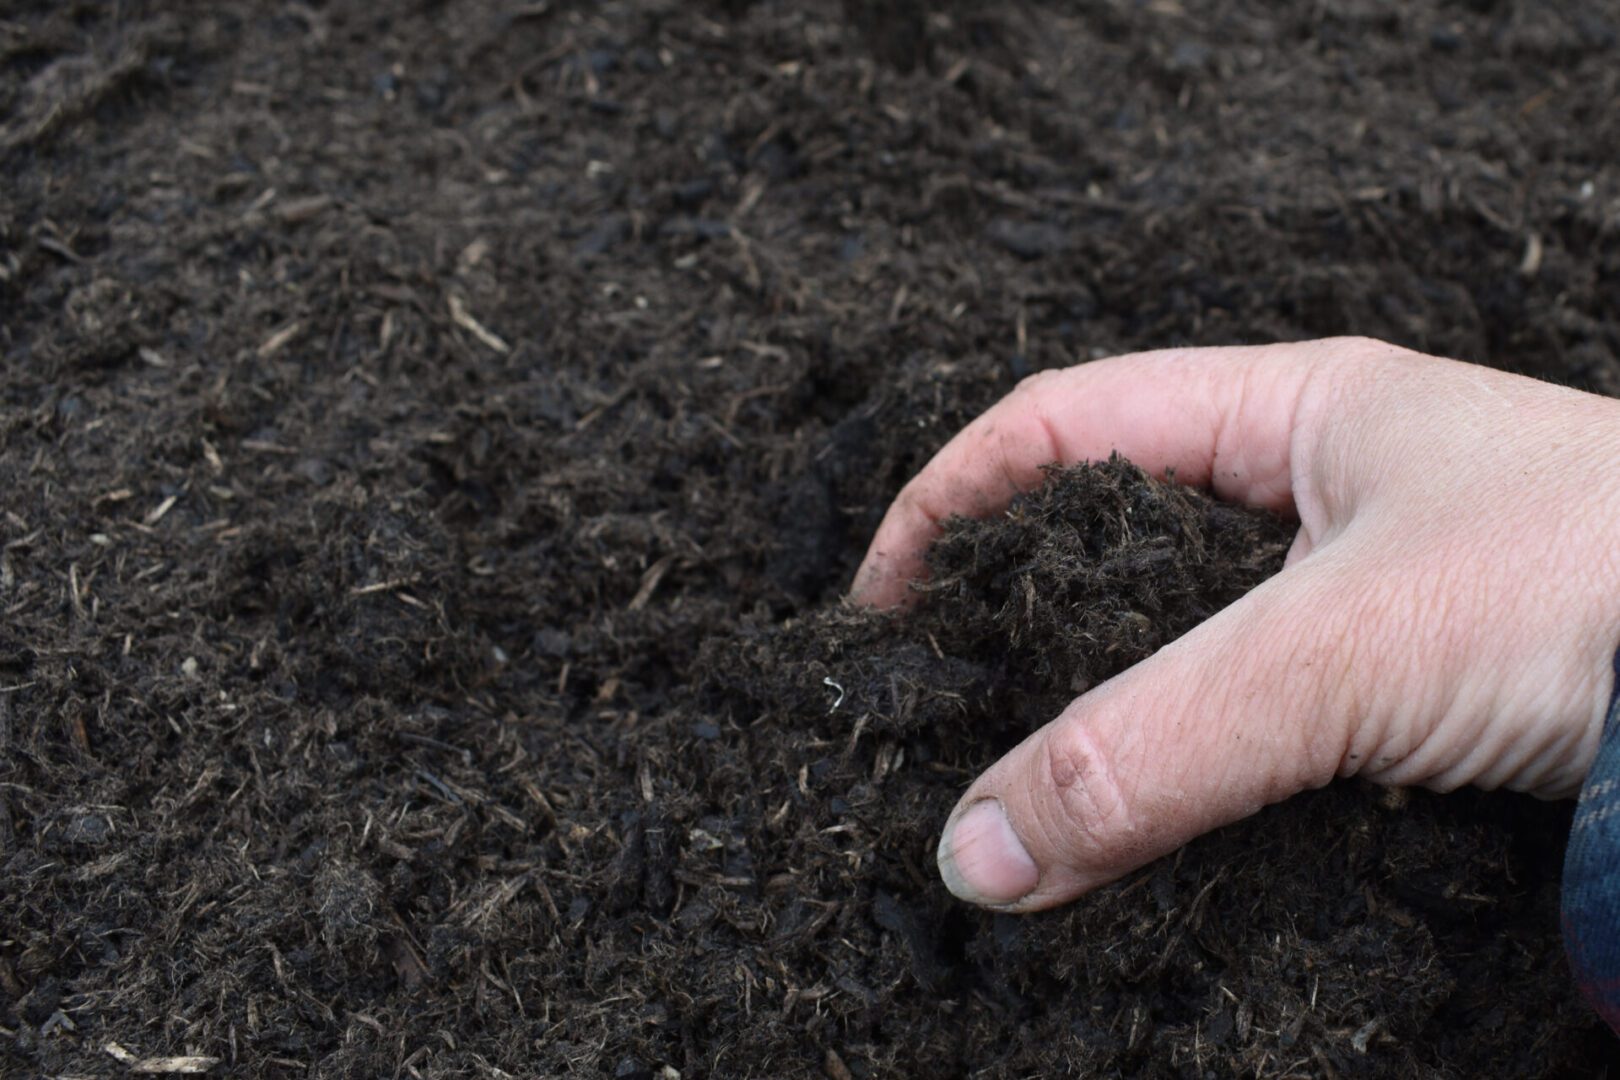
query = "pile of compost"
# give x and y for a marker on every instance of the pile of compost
(435, 438)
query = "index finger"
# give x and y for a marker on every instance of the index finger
(1225, 417)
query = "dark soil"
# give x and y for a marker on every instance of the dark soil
(436, 437)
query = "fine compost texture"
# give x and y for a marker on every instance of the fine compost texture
(435, 438)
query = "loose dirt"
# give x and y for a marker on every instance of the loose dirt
(436, 437)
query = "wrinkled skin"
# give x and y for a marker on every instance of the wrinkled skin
(1447, 615)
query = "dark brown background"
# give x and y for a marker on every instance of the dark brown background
(436, 436)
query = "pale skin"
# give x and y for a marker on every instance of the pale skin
(1447, 615)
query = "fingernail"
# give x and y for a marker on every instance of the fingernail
(982, 859)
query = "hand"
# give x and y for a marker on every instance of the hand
(1447, 614)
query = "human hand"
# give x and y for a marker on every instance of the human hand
(1447, 614)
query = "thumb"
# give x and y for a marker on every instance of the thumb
(1249, 708)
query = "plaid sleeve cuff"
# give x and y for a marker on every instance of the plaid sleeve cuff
(1591, 894)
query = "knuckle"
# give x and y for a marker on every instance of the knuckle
(1032, 400)
(1087, 805)
(1359, 346)
(1380, 659)
(1034, 385)
(916, 501)
(1355, 366)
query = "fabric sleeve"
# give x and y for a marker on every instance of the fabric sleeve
(1591, 888)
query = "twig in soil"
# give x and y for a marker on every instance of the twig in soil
(762, 348)
(260, 446)
(73, 590)
(58, 1019)
(425, 740)
(649, 583)
(440, 786)
(460, 316)
(540, 800)
(21, 541)
(1531, 263)
(382, 586)
(298, 211)
(595, 414)
(278, 340)
(157, 512)
(265, 197)
(720, 429)
(160, 1065)
(56, 247)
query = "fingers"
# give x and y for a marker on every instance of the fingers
(1253, 706)
(1224, 417)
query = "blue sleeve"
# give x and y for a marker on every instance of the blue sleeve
(1591, 894)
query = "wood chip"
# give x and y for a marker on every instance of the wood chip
(278, 340)
(169, 1065)
(160, 1065)
(56, 247)
(649, 582)
(1530, 265)
(261, 446)
(157, 512)
(460, 316)
(297, 211)
(382, 586)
